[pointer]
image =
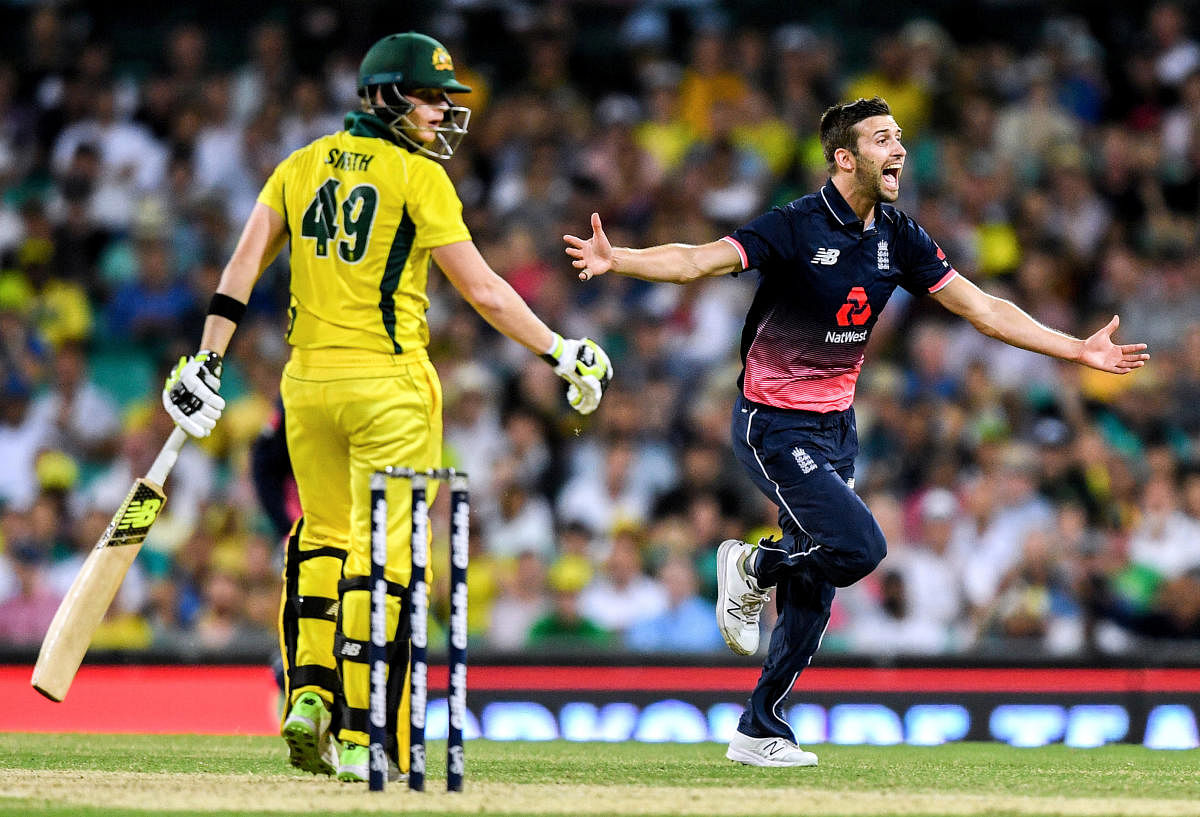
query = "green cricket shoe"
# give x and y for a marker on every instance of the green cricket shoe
(306, 730)
(354, 765)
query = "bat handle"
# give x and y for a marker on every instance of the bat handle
(165, 460)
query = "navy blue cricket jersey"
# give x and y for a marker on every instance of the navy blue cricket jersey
(824, 282)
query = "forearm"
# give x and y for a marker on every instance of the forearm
(500, 305)
(237, 281)
(1006, 321)
(676, 263)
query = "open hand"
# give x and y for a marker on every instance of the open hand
(1101, 353)
(593, 256)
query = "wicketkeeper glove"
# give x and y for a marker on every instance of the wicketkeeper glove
(190, 393)
(585, 367)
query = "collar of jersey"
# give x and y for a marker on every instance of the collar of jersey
(843, 213)
(361, 123)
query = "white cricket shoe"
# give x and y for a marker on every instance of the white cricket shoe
(767, 752)
(739, 598)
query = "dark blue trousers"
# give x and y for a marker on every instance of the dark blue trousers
(803, 461)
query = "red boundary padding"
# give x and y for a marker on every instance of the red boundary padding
(222, 700)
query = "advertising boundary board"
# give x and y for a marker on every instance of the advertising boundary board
(1023, 706)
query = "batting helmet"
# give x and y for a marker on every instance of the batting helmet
(400, 64)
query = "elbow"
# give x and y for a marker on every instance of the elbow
(984, 326)
(690, 271)
(486, 298)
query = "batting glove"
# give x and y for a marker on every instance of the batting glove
(585, 367)
(190, 393)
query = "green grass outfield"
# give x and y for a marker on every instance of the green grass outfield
(88, 775)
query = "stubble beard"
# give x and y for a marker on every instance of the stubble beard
(869, 179)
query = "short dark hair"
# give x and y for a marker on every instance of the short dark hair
(837, 125)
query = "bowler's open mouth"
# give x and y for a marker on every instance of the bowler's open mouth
(891, 176)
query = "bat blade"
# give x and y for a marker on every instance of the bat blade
(81, 610)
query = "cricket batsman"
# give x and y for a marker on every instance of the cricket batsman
(366, 211)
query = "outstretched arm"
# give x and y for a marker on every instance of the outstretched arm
(998, 318)
(581, 362)
(675, 263)
(491, 296)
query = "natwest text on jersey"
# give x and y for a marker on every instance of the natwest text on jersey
(848, 336)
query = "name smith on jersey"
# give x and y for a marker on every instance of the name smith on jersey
(348, 160)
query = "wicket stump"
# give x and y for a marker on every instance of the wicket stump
(460, 511)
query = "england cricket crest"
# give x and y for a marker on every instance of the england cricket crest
(882, 260)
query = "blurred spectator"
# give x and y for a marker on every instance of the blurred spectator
(25, 616)
(224, 623)
(932, 578)
(708, 80)
(131, 161)
(267, 76)
(686, 625)
(1018, 511)
(664, 133)
(754, 127)
(149, 309)
(473, 437)
(1034, 601)
(805, 82)
(1030, 128)
(1181, 124)
(79, 239)
(603, 498)
(1080, 218)
(86, 420)
(565, 627)
(1166, 540)
(891, 78)
(59, 307)
(1176, 54)
(622, 594)
(522, 521)
(25, 429)
(522, 601)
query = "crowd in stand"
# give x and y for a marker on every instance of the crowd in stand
(1026, 502)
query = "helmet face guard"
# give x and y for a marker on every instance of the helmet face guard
(387, 101)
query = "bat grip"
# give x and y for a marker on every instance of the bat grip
(165, 460)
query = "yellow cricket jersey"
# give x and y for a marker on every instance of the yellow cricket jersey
(363, 215)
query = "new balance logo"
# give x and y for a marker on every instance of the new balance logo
(139, 514)
(826, 257)
(773, 748)
(803, 459)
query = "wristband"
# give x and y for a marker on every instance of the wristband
(226, 307)
(556, 348)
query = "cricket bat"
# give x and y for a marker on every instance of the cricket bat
(92, 592)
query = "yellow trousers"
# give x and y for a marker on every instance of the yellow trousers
(349, 413)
